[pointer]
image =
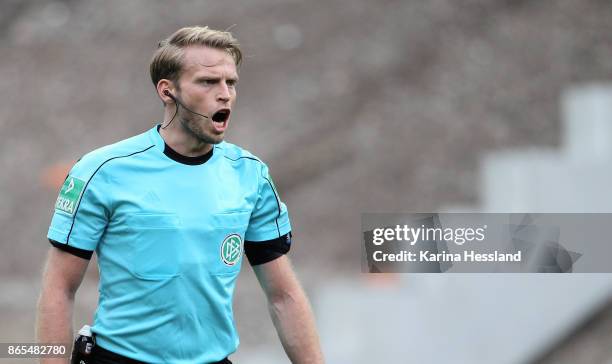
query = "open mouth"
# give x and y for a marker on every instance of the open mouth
(221, 116)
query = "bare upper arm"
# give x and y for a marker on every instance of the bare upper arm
(276, 277)
(63, 271)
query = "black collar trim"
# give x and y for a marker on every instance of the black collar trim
(192, 161)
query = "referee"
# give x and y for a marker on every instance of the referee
(170, 213)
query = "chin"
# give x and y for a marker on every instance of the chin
(208, 137)
(214, 139)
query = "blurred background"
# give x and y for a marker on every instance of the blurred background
(356, 106)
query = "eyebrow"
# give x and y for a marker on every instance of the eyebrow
(215, 78)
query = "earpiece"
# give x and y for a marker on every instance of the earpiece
(167, 93)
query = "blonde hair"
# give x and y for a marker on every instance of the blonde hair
(167, 61)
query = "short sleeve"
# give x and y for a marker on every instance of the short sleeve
(269, 219)
(81, 212)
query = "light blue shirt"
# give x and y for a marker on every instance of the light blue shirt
(169, 239)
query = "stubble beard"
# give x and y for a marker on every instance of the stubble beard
(195, 128)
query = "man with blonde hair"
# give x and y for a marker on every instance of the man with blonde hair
(170, 213)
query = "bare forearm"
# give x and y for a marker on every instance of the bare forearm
(54, 322)
(295, 324)
(61, 279)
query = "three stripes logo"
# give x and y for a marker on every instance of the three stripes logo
(231, 249)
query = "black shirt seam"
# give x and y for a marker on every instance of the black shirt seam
(76, 211)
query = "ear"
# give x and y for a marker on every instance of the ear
(162, 86)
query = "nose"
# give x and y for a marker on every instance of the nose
(223, 93)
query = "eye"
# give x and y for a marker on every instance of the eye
(207, 81)
(232, 83)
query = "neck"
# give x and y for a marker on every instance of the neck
(179, 139)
